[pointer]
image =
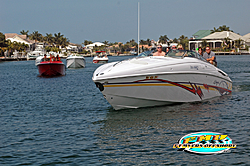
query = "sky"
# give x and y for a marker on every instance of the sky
(117, 20)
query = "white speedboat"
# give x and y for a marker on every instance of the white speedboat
(179, 76)
(75, 61)
(100, 57)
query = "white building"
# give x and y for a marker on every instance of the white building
(90, 47)
(216, 39)
(247, 39)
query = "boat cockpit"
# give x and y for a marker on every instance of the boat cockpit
(176, 54)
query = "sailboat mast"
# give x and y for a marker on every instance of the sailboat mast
(138, 28)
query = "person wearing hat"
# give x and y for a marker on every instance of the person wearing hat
(174, 47)
(159, 51)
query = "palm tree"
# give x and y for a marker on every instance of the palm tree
(163, 39)
(86, 42)
(106, 42)
(220, 29)
(10, 47)
(23, 32)
(184, 41)
(238, 43)
(49, 39)
(58, 38)
(36, 36)
(148, 42)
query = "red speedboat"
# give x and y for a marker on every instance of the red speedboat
(51, 67)
(100, 57)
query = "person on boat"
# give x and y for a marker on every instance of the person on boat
(45, 58)
(58, 58)
(180, 47)
(210, 56)
(159, 51)
(167, 49)
(174, 47)
(179, 53)
(200, 51)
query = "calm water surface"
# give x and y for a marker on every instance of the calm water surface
(66, 121)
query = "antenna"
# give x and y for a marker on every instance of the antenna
(138, 27)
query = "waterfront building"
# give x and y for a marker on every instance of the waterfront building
(247, 39)
(215, 40)
(90, 47)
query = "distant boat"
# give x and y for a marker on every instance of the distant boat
(101, 57)
(39, 51)
(52, 66)
(74, 61)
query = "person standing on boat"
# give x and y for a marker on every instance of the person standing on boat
(210, 56)
(200, 51)
(159, 51)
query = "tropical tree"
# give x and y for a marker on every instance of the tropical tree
(36, 36)
(120, 46)
(220, 29)
(227, 42)
(183, 40)
(10, 47)
(175, 40)
(163, 39)
(238, 43)
(23, 32)
(2, 40)
(148, 42)
(60, 40)
(49, 39)
(106, 42)
(86, 42)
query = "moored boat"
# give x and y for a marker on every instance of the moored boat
(179, 76)
(101, 57)
(52, 66)
(74, 61)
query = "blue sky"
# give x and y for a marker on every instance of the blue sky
(116, 20)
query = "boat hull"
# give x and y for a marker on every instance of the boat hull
(76, 62)
(100, 61)
(56, 68)
(163, 89)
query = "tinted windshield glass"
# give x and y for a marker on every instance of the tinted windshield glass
(175, 53)
(183, 54)
(146, 53)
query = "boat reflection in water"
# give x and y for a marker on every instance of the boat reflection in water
(52, 66)
(179, 76)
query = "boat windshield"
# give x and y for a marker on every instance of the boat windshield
(146, 53)
(183, 54)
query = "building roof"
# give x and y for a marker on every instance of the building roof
(223, 35)
(15, 37)
(95, 44)
(201, 33)
(246, 37)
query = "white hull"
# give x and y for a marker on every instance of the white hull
(154, 81)
(76, 62)
(100, 59)
(163, 90)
